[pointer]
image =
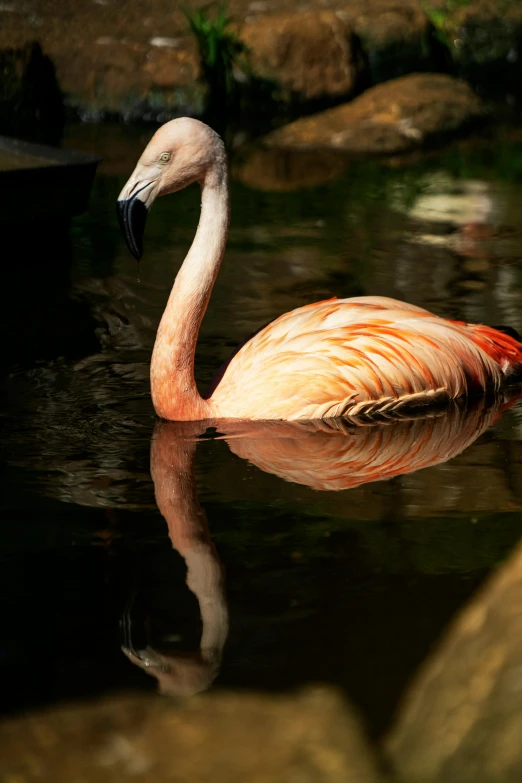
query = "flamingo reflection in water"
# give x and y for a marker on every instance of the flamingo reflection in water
(324, 455)
(172, 470)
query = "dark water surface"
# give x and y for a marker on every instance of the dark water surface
(351, 587)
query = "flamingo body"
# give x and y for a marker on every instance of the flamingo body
(352, 356)
(342, 357)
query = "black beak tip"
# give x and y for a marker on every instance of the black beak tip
(132, 215)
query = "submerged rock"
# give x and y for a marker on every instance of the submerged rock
(307, 738)
(397, 116)
(462, 718)
(309, 55)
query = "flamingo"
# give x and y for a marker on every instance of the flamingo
(336, 358)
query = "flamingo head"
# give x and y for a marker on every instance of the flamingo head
(181, 152)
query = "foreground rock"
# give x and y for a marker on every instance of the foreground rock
(308, 738)
(398, 116)
(308, 55)
(462, 719)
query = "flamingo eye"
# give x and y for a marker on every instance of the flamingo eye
(164, 157)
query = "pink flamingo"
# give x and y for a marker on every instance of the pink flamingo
(340, 357)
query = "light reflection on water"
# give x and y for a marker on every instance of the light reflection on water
(351, 587)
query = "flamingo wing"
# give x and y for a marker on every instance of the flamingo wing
(359, 356)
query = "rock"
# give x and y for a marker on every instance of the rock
(395, 35)
(129, 78)
(308, 738)
(288, 170)
(398, 116)
(30, 101)
(486, 33)
(172, 68)
(310, 55)
(484, 38)
(462, 719)
(143, 63)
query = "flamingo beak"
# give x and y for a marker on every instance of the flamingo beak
(132, 215)
(133, 206)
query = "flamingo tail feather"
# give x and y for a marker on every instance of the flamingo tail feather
(504, 345)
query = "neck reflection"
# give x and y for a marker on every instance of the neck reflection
(172, 452)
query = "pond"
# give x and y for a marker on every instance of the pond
(302, 576)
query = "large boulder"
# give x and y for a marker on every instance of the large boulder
(131, 78)
(137, 62)
(397, 116)
(306, 738)
(309, 55)
(395, 35)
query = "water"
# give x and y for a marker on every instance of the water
(301, 583)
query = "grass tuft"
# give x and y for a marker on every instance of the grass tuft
(221, 51)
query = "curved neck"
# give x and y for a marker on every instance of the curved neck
(174, 392)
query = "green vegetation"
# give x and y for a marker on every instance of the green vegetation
(441, 12)
(438, 15)
(220, 49)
